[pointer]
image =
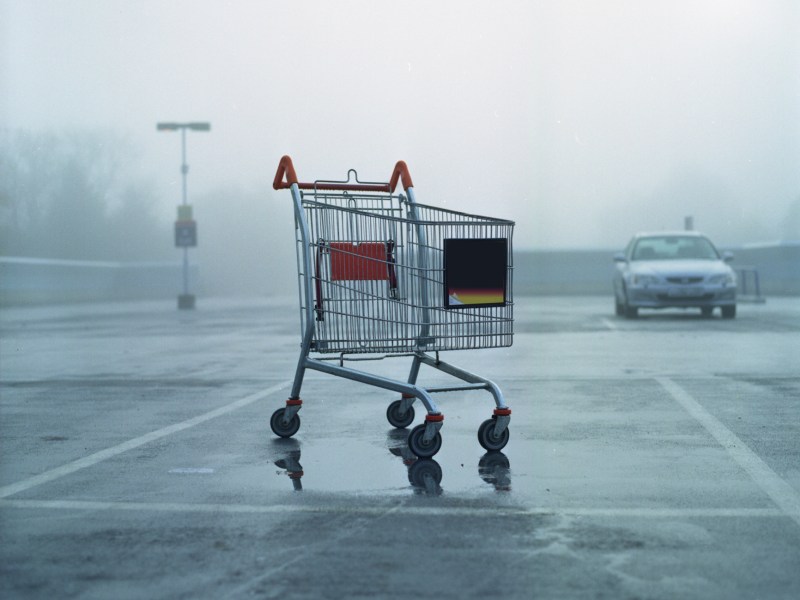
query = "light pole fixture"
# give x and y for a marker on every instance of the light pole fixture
(185, 225)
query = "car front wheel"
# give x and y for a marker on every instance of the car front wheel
(729, 312)
(630, 312)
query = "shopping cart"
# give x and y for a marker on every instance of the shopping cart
(382, 276)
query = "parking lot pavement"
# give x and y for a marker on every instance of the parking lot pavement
(649, 458)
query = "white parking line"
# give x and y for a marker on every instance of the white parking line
(770, 483)
(93, 459)
(433, 511)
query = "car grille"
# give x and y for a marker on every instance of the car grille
(684, 280)
(673, 299)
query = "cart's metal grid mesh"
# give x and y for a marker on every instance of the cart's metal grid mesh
(403, 312)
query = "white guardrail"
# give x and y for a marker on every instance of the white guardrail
(44, 280)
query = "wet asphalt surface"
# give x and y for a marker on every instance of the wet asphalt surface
(650, 458)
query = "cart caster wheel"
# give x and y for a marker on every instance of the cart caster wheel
(398, 419)
(421, 448)
(488, 439)
(284, 430)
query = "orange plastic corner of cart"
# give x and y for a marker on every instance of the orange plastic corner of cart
(400, 173)
(286, 175)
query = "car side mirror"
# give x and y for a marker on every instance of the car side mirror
(727, 256)
(619, 257)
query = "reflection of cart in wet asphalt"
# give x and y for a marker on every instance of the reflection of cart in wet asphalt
(424, 474)
(381, 276)
(290, 463)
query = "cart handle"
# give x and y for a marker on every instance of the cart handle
(286, 176)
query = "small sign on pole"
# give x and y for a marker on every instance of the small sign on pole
(185, 228)
(185, 234)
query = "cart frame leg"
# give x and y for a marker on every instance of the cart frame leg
(502, 413)
(294, 403)
(407, 400)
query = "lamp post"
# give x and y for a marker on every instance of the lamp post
(185, 225)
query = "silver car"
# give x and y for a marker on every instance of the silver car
(681, 269)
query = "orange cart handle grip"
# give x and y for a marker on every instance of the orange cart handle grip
(286, 176)
(400, 173)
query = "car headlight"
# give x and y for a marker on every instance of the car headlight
(725, 279)
(644, 279)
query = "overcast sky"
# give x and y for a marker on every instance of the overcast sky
(582, 121)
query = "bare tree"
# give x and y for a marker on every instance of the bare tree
(72, 196)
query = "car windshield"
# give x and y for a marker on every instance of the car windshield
(673, 247)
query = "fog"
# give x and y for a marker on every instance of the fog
(582, 121)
